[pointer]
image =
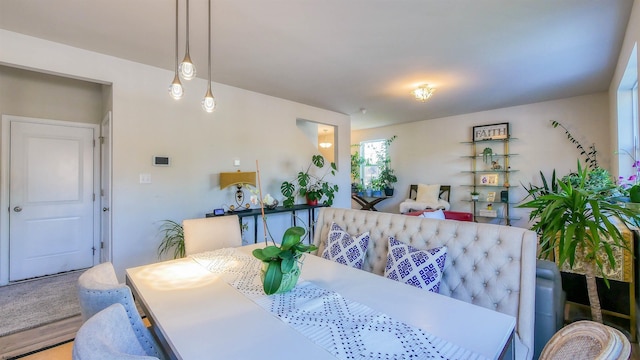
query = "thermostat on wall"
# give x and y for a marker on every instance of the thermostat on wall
(161, 161)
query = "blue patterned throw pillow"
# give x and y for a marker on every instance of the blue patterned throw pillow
(344, 248)
(420, 268)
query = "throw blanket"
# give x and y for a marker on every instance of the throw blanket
(412, 205)
(346, 329)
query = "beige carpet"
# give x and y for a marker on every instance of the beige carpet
(37, 302)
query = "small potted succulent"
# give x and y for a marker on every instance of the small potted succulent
(475, 195)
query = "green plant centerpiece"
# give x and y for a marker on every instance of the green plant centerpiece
(281, 264)
(575, 220)
(307, 184)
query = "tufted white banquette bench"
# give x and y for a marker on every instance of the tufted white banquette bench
(492, 266)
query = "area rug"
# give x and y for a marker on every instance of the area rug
(38, 302)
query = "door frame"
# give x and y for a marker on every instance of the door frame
(4, 186)
(106, 250)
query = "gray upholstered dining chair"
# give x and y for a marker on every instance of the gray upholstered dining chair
(205, 234)
(108, 335)
(98, 288)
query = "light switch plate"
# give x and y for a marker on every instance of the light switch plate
(236, 162)
(145, 178)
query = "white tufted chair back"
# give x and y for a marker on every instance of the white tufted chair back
(492, 266)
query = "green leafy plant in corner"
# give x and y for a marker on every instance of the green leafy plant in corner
(590, 155)
(283, 259)
(309, 185)
(576, 222)
(172, 240)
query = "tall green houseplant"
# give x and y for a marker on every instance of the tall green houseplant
(309, 185)
(576, 222)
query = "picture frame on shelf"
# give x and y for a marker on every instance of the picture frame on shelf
(498, 131)
(489, 180)
(491, 196)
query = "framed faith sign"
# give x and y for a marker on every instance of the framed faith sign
(491, 132)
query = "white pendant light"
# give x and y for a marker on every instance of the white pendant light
(187, 69)
(209, 103)
(175, 89)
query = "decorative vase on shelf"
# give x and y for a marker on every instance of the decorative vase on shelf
(271, 206)
(634, 194)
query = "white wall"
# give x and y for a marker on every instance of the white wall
(632, 37)
(246, 126)
(430, 151)
(37, 95)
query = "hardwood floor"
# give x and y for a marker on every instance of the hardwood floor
(61, 352)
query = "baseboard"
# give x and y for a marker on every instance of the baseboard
(39, 338)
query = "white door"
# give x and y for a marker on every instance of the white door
(105, 188)
(51, 199)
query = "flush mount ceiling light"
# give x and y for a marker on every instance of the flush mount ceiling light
(325, 144)
(423, 92)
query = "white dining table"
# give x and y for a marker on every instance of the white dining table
(200, 316)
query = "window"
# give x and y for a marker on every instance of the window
(374, 154)
(628, 125)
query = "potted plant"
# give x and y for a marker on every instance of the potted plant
(314, 188)
(487, 155)
(475, 195)
(377, 185)
(576, 222)
(280, 264)
(356, 162)
(388, 178)
(173, 238)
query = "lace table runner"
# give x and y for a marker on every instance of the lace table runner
(346, 329)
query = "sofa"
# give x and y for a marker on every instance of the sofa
(488, 265)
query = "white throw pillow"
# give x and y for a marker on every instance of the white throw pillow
(420, 268)
(428, 193)
(344, 248)
(437, 214)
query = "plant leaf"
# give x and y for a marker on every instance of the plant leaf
(292, 237)
(272, 278)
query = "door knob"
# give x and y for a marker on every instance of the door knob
(17, 209)
(105, 209)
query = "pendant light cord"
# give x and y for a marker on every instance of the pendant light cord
(187, 26)
(176, 69)
(209, 44)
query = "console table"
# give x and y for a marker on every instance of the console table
(368, 203)
(255, 213)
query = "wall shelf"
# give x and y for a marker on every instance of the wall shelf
(480, 169)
